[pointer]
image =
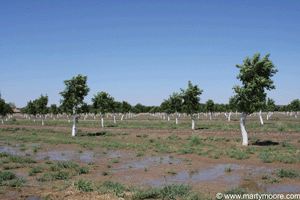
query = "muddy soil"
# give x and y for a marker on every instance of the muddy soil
(205, 174)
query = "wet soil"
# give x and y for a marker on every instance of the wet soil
(205, 174)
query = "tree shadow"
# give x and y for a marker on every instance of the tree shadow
(94, 134)
(266, 143)
(201, 128)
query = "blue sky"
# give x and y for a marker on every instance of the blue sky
(143, 51)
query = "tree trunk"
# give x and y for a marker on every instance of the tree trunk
(229, 116)
(43, 120)
(2, 120)
(168, 117)
(261, 119)
(34, 118)
(193, 124)
(115, 118)
(296, 114)
(243, 129)
(102, 121)
(176, 118)
(210, 116)
(74, 122)
(122, 117)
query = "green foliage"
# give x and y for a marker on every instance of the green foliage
(255, 75)
(174, 137)
(210, 105)
(103, 102)
(271, 105)
(82, 170)
(288, 173)
(295, 105)
(191, 101)
(41, 105)
(5, 108)
(85, 186)
(53, 109)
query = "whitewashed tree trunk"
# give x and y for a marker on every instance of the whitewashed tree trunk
(193, 124)
(243, 129)
(296, 114)
(2, 120)
(34, 118)
(168, 117)
(122, 117)
(209, 115)
(176, 118)
(6, 119)
(115, 118)
(229, 115)
(260, 117)
(198, 115)
(164, 116)
(74, 122)
(102, 121)
(43, 120)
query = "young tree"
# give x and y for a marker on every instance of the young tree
(54, 110)
(165, 107)
(73, 95)
(85, 109)
(175, 104)
(191, 101)
(270, 107)
(256, 76)
(231, 106)
(103, 103)
(41, 106)
(210, 107)
(125, 108)
(31, 109)
(295, 106)
(4, 109)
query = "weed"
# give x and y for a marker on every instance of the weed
(105, 173)
(91, 163)
(35, 169)
(61, 175)
(140, 154)
(145, 136)
(85, 186)
(151, 140)
(82, 170)
(288, 173)
(174, 137)
(228, 168)
(146, 169)
(115, 160)
(264, 176)
(173, 172)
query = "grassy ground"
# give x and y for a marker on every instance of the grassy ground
(145, 138)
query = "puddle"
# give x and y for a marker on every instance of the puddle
(142, 162)
(212, 173)
(22, 175)
(280, 188)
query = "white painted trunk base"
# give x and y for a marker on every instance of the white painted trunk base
(260, 118)
(193, 124)
(74, 123)
(243, 129)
